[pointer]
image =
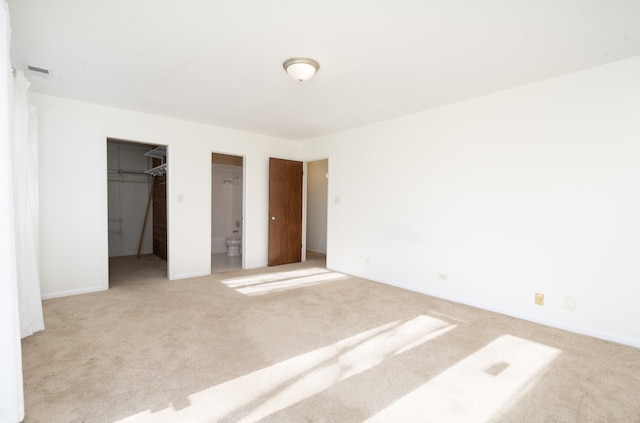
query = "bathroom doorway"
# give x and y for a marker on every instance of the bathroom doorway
(317, 204)
(137, 216)
(227, 211)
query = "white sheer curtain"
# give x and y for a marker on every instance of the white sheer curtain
(24, 155)
(20, 302)
(11, 391)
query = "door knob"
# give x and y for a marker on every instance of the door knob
(273, 218)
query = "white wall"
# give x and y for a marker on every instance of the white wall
(534, 189)
(317, 186)
(73, 189)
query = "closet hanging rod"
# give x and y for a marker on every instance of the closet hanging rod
(121, 171)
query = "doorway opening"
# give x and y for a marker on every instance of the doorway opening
(317, 204)
(227, 211)
(137, 209)
(298, 199)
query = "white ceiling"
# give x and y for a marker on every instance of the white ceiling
(220, 62)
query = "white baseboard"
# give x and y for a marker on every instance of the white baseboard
(256, 265)
(582, 330)
(189, 275)
(58, 294)
(36, 328)
(313, 250)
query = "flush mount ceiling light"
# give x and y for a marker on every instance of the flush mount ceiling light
(301, 68)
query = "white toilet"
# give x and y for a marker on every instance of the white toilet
(233, 245)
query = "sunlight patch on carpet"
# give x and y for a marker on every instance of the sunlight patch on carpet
(266, 283)
(259, 394)
(477, 387)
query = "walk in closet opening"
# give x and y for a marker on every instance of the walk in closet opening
(137, 201)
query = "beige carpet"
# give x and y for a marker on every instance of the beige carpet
(299, 343)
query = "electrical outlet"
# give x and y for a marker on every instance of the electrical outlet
(539, 299)
(570, 303)
(367, 261)
(443, 276)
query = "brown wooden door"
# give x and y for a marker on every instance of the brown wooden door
(285, 211)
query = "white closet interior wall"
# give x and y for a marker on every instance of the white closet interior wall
(128, 194)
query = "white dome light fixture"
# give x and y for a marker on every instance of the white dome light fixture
(301, 68)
